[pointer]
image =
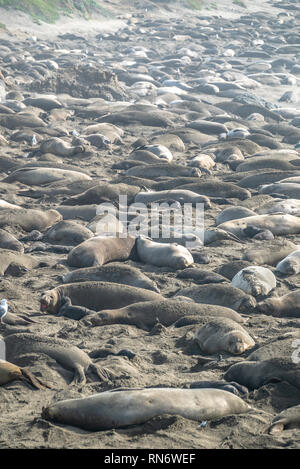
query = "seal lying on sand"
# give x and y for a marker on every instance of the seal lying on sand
(115, 272)
(255, 280)
(68, 356)
(287, 419)
(285, 306)
(223, 335)
(278, 224)
(290, 265)
(100, 250)
(30, 219)
(120, 408)
(95, 295)
(10, 372)
(163, 254)
(146, 314)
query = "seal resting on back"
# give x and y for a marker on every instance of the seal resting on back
(95, 295)
(167, 311)
(223, 335)
(101, 249)
(120, 408)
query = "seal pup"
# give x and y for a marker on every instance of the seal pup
(223, 335)
(10, 372)
(285, 420)
(284, 306)
(255, 280)
(290, 265)
(121, 408)
(59, 147)
(72, 312)
(270, 254)
(173, 255)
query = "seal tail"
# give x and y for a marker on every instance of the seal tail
(35, 382)
(103, 373)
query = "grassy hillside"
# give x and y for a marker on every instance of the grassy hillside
(49, 10)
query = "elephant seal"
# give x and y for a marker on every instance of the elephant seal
(290, 265)
(233, 387)
(288, 189)
(182, 196)
(101, 249)
(121, 408)
(223, 335)
(285, 420)
(201, 276)
(284, 306)
(39, 176)
(29, 219)
(115, 272)
(10, 372)
(163, 169)
(166, 311)
(59, 147)
(216, 188)
(220, 294)
(103, 192)
(234, 213)
(72, 312)
(255, 280)
(163, 254)
(278, 224)
(291, 206)
(8, 241)
(230, 269)
(254, 374)
(68, 232)
(95, 295)
(270, 254)
(68, 356)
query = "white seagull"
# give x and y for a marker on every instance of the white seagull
(3, 309)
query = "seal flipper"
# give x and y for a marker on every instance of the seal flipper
(35, 382)
(103, 373)
(79, 375)
(276, 427)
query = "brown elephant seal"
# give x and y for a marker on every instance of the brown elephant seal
(40, 176)
(59, 147)
(223, 335)
(29, 219)
(68, 232)
(217, 188)
(201, 276)
(284, 306)
(8, 241)
(234, 213)
(121, 408)
(171, 255)
(290, 265)
(278, 224)
(17, 262)
(68, 356)
(95, 295)
(285, 420)
(115, 272)
(254, 374)
(220, 294)
(103, 193)
(166, 311)
(255, 280)
(163, 169)
(230, 269)
(10, 372)
(270, 254)
(101, 249)
(83, 212)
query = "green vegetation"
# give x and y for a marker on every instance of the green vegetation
(49, 10)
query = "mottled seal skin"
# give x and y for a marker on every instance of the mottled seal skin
(10, 372)
(254, 374)
(167, 311)
(115, 272)
(68, 232)
(223, 335)
(290, 265)
(163, 254)
(220, 294)
(255, 280)
(270, 254)
(101, 249)
(114, 409)
(285, 306)
(285, 420)
(95, 295)
(278, 224)
(30, 219)
(68, 356)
